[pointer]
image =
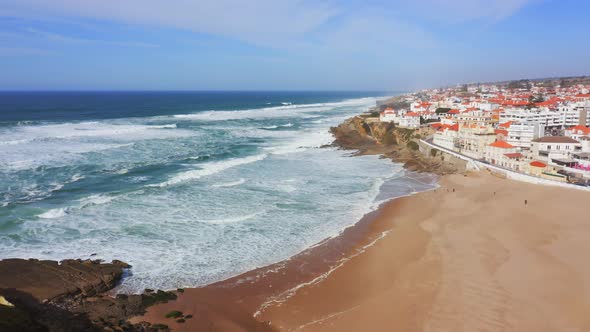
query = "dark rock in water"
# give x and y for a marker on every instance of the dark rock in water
(69, 296)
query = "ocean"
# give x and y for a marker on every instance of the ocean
(187, 187)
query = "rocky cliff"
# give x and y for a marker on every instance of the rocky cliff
(368, 135)
(68, 296)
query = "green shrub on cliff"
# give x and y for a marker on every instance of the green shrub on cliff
(413, 146)
(433, 152)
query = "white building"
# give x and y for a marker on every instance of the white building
(577, 132)
(574, 114)
(521, 134)
(447, 136)
(410, 120)
(487, 106)
(495, 153)
(543, 117)
(555, 150)
(388, 115)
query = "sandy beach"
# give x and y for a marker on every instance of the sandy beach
(469, 256)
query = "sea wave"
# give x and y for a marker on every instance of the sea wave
(232, 220)
(91, 129)
(286, 125)
(229, 184)
(54, 213)
(97, 199)
(210, 169)
(273, 112)
(167, 126)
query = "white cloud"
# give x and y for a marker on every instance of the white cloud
(371, 30)
(264, 22)
(283, 24)
(75, 40)
(465, 10)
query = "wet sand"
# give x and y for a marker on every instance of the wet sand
(470, 256)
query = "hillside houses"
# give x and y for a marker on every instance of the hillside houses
(542, 131)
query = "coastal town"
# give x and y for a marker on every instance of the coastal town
(539, 128)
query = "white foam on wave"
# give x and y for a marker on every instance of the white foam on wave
(229, 184)
(71, 130)
(210, 169)
(286, 125)
(53, 213)
(122, 171)
(56, 186)
(76, 177)
(232, 220)
(97, 199)
(34, 145)
(168, 126)
(274, 112)
(301, 142)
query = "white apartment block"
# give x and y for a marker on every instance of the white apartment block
(521, 134)
(543, 117)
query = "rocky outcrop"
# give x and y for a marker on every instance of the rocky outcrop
(49, 281)
(368, 135)
(69, 296)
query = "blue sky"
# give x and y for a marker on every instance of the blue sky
(287, 44)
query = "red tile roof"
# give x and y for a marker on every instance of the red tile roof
(555, 139)
(502, 145)
(537, 164)
(501, 132)
(580, 129)
(515, 103)
(514, 155)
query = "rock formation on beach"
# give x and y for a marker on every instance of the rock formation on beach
(368, 135)
(70, 295)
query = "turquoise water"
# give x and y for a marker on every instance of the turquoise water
(189, 191)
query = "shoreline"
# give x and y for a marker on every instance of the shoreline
(245, 297)
(467, 255)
